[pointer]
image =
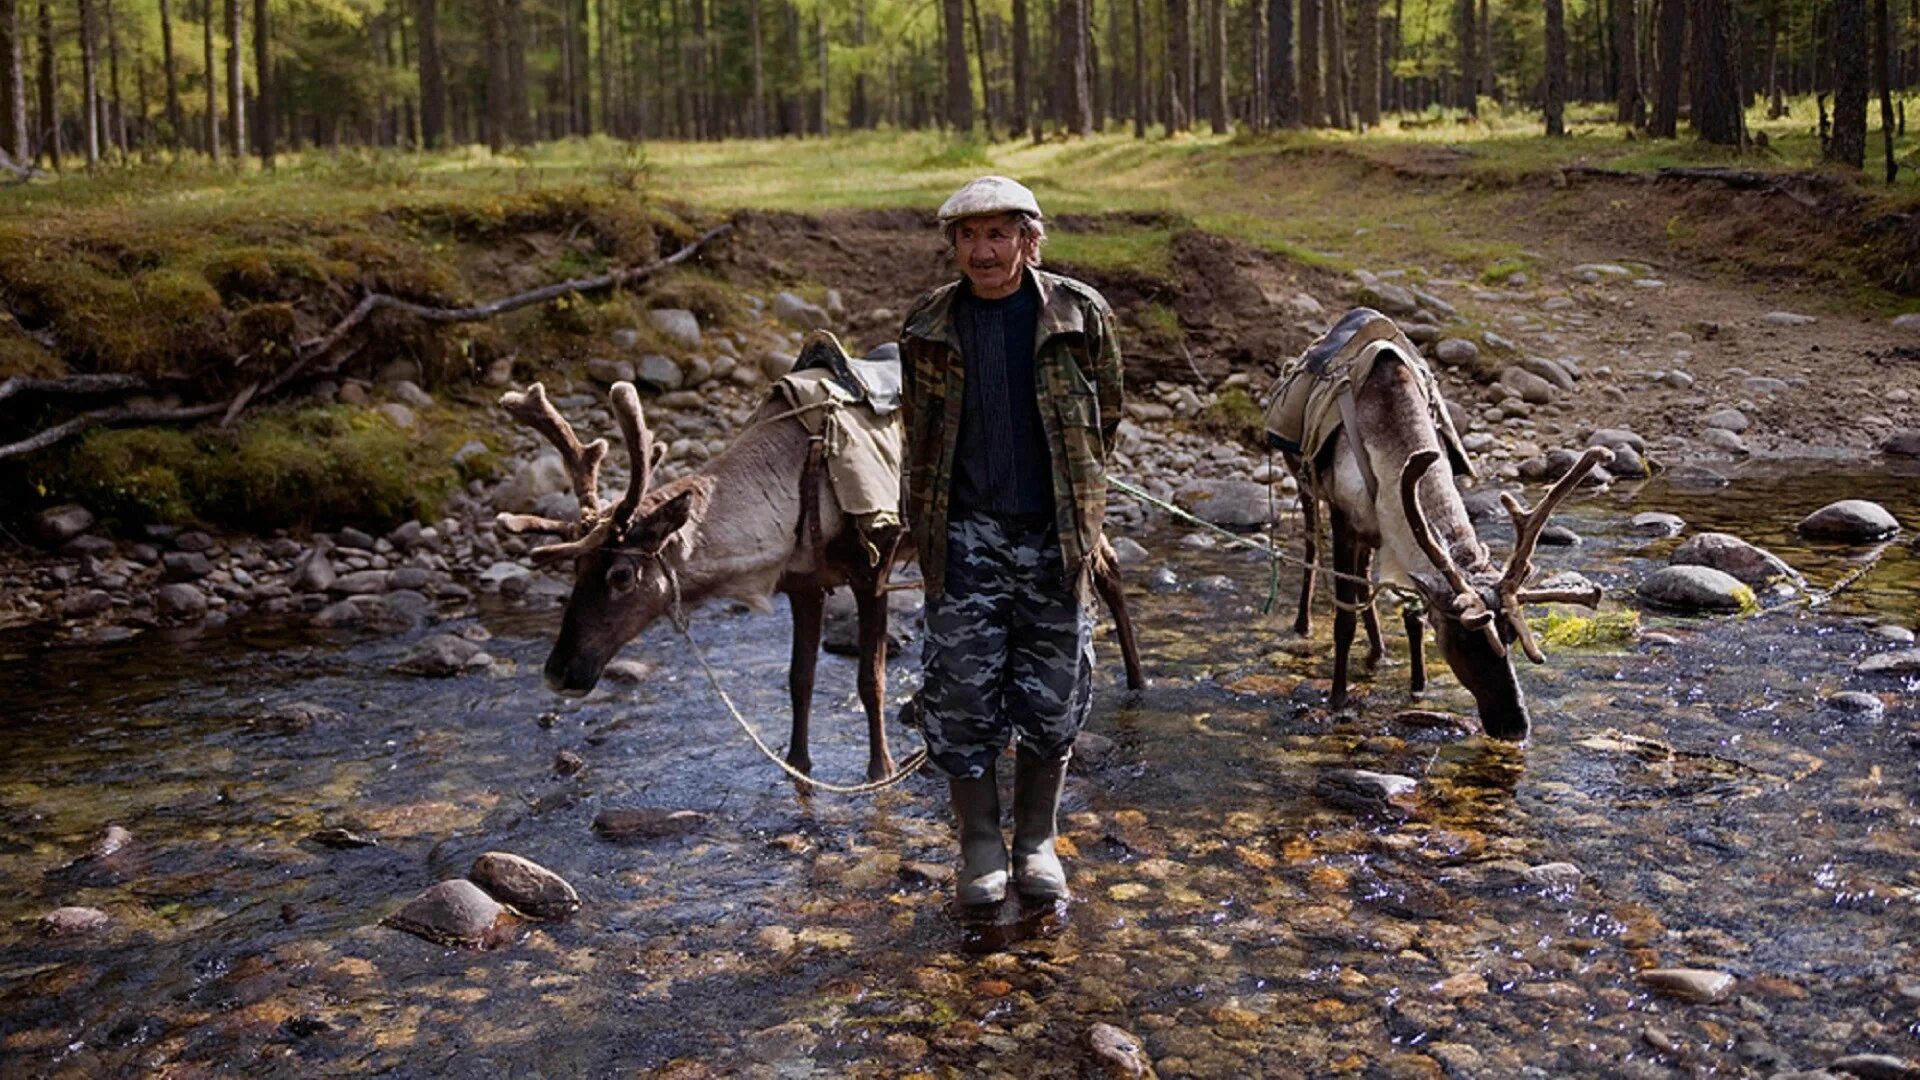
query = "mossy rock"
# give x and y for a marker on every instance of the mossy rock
(1234, 414)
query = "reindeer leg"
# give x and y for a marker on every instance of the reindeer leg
(1106, 580)
(809, 606)
(871, 603)
(1370, 618)
(1310, 510)
(1346, 594)
(1416, 647)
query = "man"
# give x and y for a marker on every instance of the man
(1012, 396)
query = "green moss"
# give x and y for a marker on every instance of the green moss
(263, 273)
(1145, 252)
(20, 354)
(1234, 414)
(1566, 630)
(135, 476)
(1503, 269)
(1159, 326)
(716, 302)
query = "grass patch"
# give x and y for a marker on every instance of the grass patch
(1234, 414)
(1159, 326)
(1147, 253)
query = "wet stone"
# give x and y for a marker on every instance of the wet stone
(525, 884)
(86, 604)
(441, 655)
(1694, 478)
(1856, 703)
(360, 583)
(1364, 791)
(1902, 443)
(59, 524)
(1117, 1053)
(1733, 556)
(1234, 504)
(1694, 589)
(314, 573)
(185, 566)
(453, 913)
(1850, 519)
(1554, 875)
(1877, 1067)
(1898, 662)
(179, 601)
(647, 824)
(341, 839)
(1689, 984)
(568, 763)
(1656, 523)
(68, 922)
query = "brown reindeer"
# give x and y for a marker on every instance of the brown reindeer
(1375, 478)
(760, 517)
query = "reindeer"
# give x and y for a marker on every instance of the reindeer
(1374, 478)
(746, 524)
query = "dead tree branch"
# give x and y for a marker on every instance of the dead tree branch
(307, 352)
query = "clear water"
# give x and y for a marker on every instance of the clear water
(1231, 915)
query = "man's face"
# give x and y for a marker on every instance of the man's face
(991, 253)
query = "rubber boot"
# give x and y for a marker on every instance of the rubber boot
(1037, 872)
(983, 852)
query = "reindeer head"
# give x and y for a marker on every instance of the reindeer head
(622, 580)
(1477, 616)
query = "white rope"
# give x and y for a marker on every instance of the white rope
(678, 617)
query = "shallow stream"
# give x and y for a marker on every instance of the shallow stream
(1231, 910)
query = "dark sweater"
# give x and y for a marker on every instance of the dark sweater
(1001, 463)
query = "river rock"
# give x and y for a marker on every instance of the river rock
(1898, 662)
(179, 600)
(408, 392)
(660, 372)
(606, 370)
(1856, 703)
(1726, 420)
(1560, 377)
(525, 884)
(441, 655)
(544, 475)
(1694, 589)
(1695, 478)
(298, 716)
(1909, 321)
(1614, 438)
(1455, 351)
(1787, 318)
(841, 633)
(398, 415)
(314, 572)
(1730, 554)
(1902, 443)
(1554, 875)
(453, 913)
(1128, 552)
(86, 604)
(1725, 441)
(1117, 1053)
(1628, 464)
(794, 311)
(1364, 791)
(1237, 504)
(1689, 984)
(185, 566)
(1532, 389)
(647, 823)
(1877, 1067)
(68, 922)
(1849, 519)
(678, 325)
(360, 583)
(57, 525)
(1387, 297)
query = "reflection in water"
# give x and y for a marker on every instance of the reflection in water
(1692, 804)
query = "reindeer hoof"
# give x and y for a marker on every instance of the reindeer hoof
(880, 769)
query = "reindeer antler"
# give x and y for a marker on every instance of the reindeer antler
(582, 462)
(1468, 608)
(1527, 526)
(633, 429)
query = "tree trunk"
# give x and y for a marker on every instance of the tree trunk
(987, 97)
(1849, 83)
(495, 38)
(1630, 104)
(1670, 54)
(757, 107)
(1259, 96)
(1717, 104)
(1311, 114)
(1217, 65)
(1556, 90)
(820, 49)
(176, 124)
(1337, 83)
(89, 84)
(1366, 26)
(236, 85)
(1022, 74)
(1188, 72)
(213, 83)
(15, 132)
(1883, 31)
(433, 77)
(263, 95)
(1280, 59)
(49, 141)
(519, 115)
(1488, 85)
(859, 109)
(959, 82)
(1466, 30)
(1139, 71)
(603, 63)
(117, 114)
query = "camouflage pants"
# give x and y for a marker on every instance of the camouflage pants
(1009, 649)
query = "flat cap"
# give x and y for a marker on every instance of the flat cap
(989, 195)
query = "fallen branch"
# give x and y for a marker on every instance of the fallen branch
(307, 352)
(71, 384)
(373, 302)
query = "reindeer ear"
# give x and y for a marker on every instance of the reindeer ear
(650, 534)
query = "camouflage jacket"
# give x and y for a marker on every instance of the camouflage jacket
(1077, 376)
